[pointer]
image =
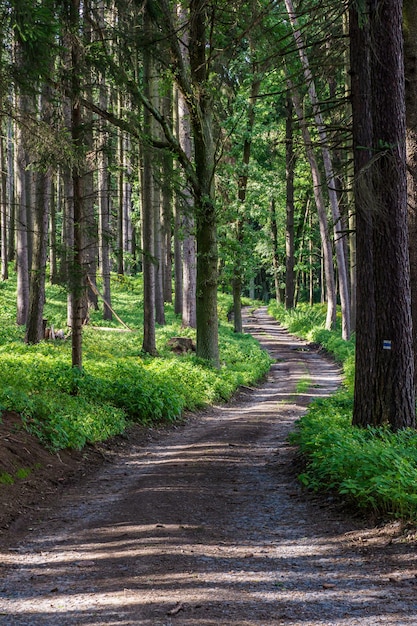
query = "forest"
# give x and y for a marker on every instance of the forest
(165, 163)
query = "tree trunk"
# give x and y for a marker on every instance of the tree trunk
(275, 251)
(53, 257)
(384, 359)
(365, 383)
(201, 113)
(3, 199)
(148, 227)
(166, 226)
(394, 367)
(328, 168)
(410, 64)
(34, 326)
(22, 254)
(289, 225)
(242, 191)
(77, 278)
(322, 215)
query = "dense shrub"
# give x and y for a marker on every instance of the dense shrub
(374, 468)
(67, 408)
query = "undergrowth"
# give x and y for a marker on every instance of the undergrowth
(64, 407)
(373, 468)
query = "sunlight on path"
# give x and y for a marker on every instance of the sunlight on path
(207, 526)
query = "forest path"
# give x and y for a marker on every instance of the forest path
(207, 525)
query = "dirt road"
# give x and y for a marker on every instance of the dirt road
(206, 525)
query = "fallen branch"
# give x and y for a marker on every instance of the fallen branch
(96, 291)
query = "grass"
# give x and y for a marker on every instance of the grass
(373, 468)
(118, 385)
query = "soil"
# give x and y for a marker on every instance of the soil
(199, 524)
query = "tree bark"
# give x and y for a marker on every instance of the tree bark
(394, 367)
(22, 253)
(34, 325)
(384, 360)
(410, 65)
(148, 220)
(328, 168)
(322, 215)
(77, 278)
(3, 199)
(289, 223)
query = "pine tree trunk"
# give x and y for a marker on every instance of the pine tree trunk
(187, 226)
(77, 278)
(384, 392)
(22, 254)
(206, 225)
(328, 168)
(3, 199)
(322, 215)
(53, 259)
(167, 176)
(242, 190)
(410, 64)
(34, 325)
(289, 224)
(365, 383)
(394, 367)
(148, 228)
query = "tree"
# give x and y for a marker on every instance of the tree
(328, 168)
(410, 65)
(386, 360)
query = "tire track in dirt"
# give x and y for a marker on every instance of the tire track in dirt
(207, 525)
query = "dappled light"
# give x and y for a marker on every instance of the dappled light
(206, 525)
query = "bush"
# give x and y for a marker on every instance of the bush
(374, 468)
(68, 408)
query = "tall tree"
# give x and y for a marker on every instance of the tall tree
(389, 365)
(410, 65)
(328, 168)
(289, 227)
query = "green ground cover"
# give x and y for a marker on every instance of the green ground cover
(373, 468)
(118, 384)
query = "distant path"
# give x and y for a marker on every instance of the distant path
(207, 526)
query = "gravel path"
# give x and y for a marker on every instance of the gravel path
(207, 525)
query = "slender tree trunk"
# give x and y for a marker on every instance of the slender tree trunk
(289, 227)
(206, 223)
(322, 215)
(166, 225)
(53, 260)
(242, 191)
(22, 255)
(104, 209)
(189, 248)
(148, 228)
(178, 282)
(34, 325)
(77, 278)
(328, 168)
(3, 198)
(11, 196)
(121, 186)
(275, 251)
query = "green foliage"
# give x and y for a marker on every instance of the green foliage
(374, 468)
(6, 478)
(68, 408)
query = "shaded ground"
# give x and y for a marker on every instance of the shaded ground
(205, 524)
